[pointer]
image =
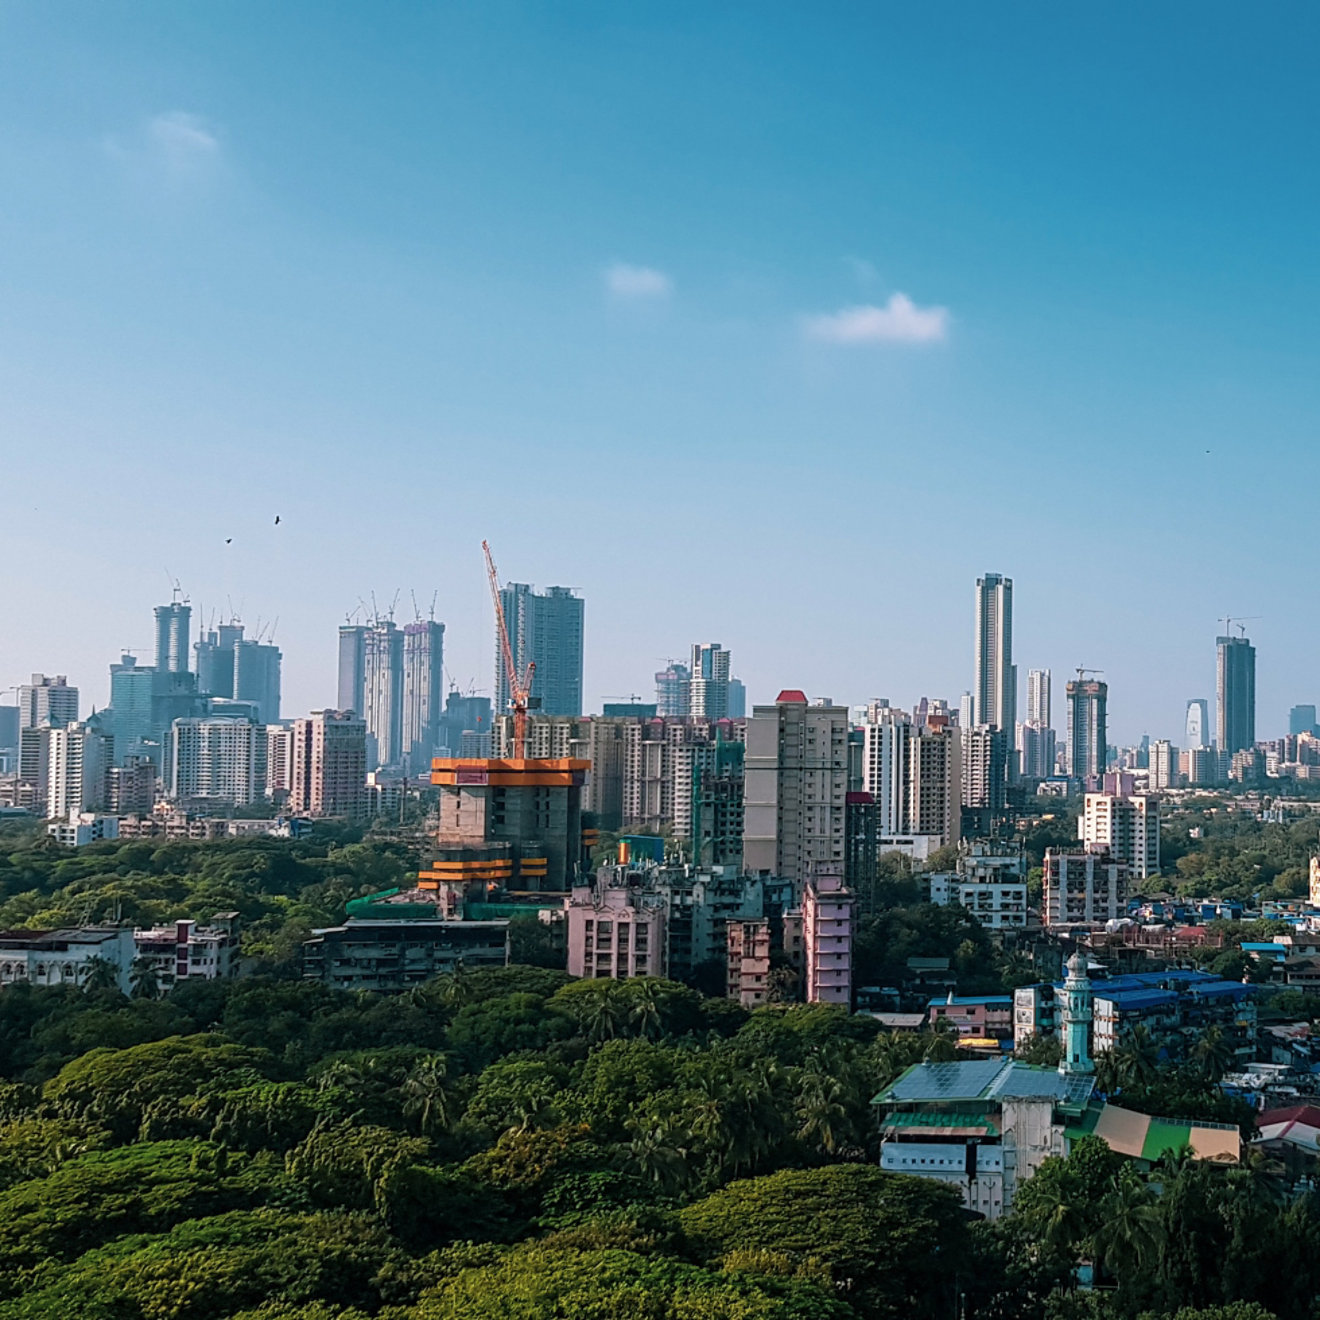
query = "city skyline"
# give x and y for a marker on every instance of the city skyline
(885, 271)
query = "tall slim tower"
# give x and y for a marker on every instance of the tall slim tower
(423, 691)
(1198, 724)
(1235, 689)
(1088, 747)
(173, 629)
(994, 688)
(545, 627)
(256, 678)
(352, 666)
(382, 693)
(710, 681)
(1039, 701)
(1077, 1012)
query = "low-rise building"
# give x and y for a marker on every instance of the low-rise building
(396, 954)
(65, 957)
(997, 905)
(1176, 1006)
(187, 951)
(83, 827)
(979, 1016)
(616, 929)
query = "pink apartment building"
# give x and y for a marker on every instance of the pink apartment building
(827, 925)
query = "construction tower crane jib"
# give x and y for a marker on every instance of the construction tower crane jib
(520, 686)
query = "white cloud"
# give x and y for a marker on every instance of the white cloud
(182, 139)
(626, 281)
(175, 145)
(899, 321)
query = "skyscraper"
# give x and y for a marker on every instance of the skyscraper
(213, 659)
(382, 693)
(352, 666)
(673, 690)
(132, 687)
(710, 681)
(737, 699)
(795, 786)
(47, 702)
(257, 677)
(1301, 719)
(173, 629)
(1088, 748)
(1235, 692)
(1038, 697)
(994, 688)
(423, 691)
(1198, 724)
(545, 627)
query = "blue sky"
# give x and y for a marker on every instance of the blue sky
(768, 323)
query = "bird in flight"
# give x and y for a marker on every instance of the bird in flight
(277, 520)
(228, 539)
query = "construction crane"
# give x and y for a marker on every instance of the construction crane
(520, 688)
(1229, 620)
(1082, 673)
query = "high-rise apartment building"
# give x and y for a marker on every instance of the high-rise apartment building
(9, 729)
(256, 677)
(1039, 702)
(710, 682)
(1083, 888)
(827, 921)
(994, 689)
(77, 769)
(382, 693)
(1301, 719)
(47, 702)
(1088, 747)
(796, 786)
(173, 629)
(1164, 765)
(1127, 828)
(1197, 731)
(279, 762)
(328, 764)
(1035, 750)
(466, 727)
(544, 627)
(214, 759)
(984, 778)
(913, 773)
(352, 666)
(423, 693)
(1235, 692)
(673, 691)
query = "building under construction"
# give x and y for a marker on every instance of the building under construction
(515, 825)
(508, 823)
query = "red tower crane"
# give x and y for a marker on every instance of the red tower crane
(520, 688)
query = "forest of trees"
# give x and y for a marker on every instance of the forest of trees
(509, 1143)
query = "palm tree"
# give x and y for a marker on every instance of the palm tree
(1127, 1238)
(426, 1092)
(143, 979)
(820, 1111)
(658, 1151)
(607, 1012)
(1137, 1057)
(1214, 1052)
(645, 1008)
(100, 974)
